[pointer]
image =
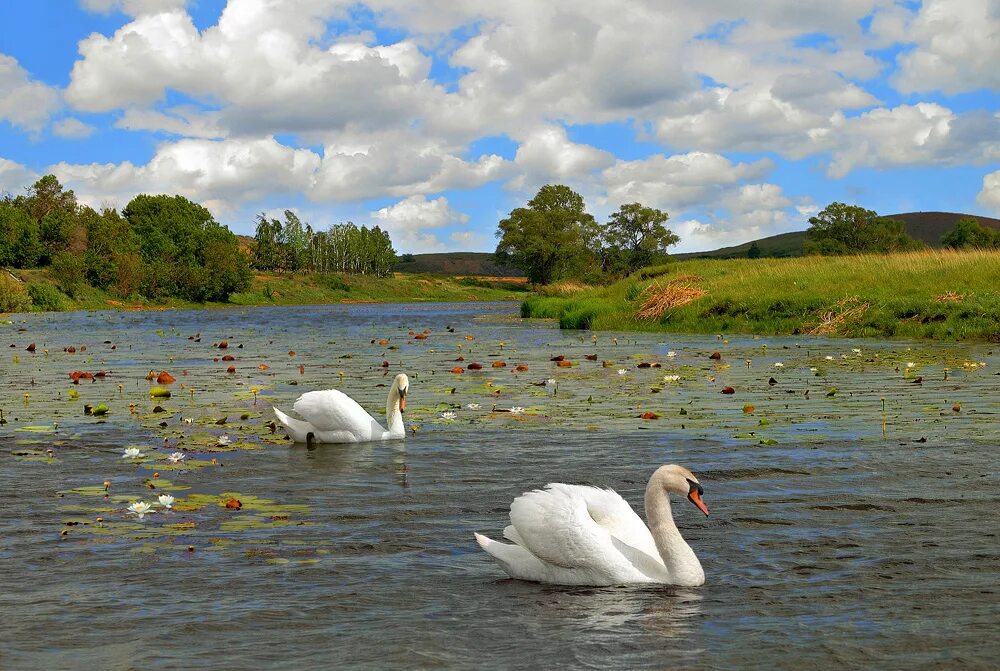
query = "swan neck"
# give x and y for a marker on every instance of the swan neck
(678, 557)
(393, 415)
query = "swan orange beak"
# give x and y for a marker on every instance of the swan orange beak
(402, 401)
(694, 496)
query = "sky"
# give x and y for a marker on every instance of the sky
(435, 118)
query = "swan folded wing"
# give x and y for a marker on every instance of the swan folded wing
(613, 513)
(556, 526)
(332, 410)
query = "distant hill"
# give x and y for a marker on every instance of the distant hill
(926, 226)
(455, 263)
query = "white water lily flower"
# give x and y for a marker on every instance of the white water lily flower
(140, 508)
(517, 410)
(176, 457)
(813, 370)
(551, 382)
(449, 415)
(671, 378)
(132, 453)
(910, 364)
(472, 406)
(778, 364)
(622, 371)
(671, 354)
(856, 350)
(828, 357)
(166, 500)
(189, 420)
(223, 440)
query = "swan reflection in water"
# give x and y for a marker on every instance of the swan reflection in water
(355, 458)
(610, 614)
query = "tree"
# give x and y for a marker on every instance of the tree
(55, 214)
(968, 232)
(266, 248)
(754, 251)
(185, 251)
(551, 238)
(849, 229)
(20, 245)
(636, 237)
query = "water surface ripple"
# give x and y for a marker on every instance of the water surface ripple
(840, 534)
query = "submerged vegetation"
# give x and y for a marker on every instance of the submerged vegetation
(941, 294)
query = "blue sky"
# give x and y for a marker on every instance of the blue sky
(435, 118)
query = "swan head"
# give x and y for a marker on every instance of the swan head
(401, 384)
(680, 480)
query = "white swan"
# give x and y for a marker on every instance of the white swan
(576, 535)
(332, 416)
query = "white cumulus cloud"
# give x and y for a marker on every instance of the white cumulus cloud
(989, 197)
(23, 101)
(409, 221)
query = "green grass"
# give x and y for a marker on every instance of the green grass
(298, 289)
(903, 294)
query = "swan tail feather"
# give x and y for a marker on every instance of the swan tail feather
(516, 561)
(297, 429)
(510, 533)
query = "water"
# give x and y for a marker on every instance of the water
(840, 534)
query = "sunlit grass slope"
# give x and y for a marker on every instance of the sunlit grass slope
(292, 289)
(940, 294)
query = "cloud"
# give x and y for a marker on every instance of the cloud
(219, 174)
(677, 182)
(14, 177)
(183, 120)
(24, 102)
(989, 197)
(72, 129)
(956, 48)
(398, 164)
(263, 67)
(546, 154)
(921, 134)
(409, 220)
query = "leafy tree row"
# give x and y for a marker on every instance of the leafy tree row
(292, 246)
(157, 246)
(554, 237)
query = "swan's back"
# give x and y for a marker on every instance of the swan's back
(584, 529)
(333, 410)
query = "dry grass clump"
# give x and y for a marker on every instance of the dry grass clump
(847, 310)
(564, 288)
(950, 297)
(675, 293)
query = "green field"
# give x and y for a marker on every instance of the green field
(293, 289)
(940, 294)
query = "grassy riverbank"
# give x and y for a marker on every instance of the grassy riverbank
(939, 294)
(290, 289)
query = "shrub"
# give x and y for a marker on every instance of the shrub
(333, 282)
(13, 296)
(69, 271)
(45, 297)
